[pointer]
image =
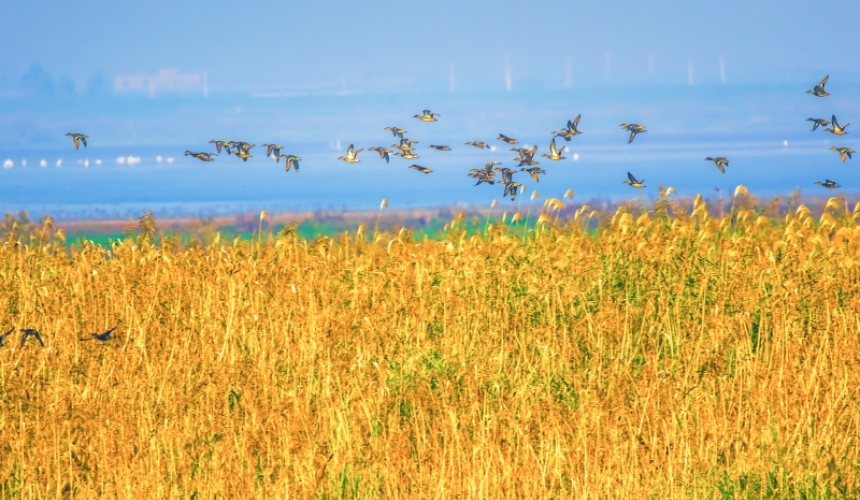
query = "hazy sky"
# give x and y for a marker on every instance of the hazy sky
(282, 46)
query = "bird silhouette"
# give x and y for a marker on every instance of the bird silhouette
(101, 337)
(829, 184)
(30, 332)
(3, 337)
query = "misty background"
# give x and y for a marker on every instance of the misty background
(147, 81)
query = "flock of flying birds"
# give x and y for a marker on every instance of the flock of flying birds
(525, 160)
(31, 332)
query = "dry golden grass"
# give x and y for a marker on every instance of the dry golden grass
(686, 357)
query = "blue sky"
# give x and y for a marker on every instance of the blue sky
(283, 46)
(706, 78)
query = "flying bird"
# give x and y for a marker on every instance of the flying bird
(351, 155)
(200, 156)
(101, 337)
(78, 139)
(829, 184)
(383, 152)
(273, 148)
(843, 152)
(509, 140)
(511, 188)
(220, 144)
(818, 90)
(478, 144)
(634, 129)
(396, 132)
(567, 133)
(291, 161)
(554, 153)
(837, 129)
(405, 145)
(440, 148)
(423, 170)
(406, 155)
(29, 332)
(244, 155)
(3, 337)
(720, 161)
(534, 172)
(427, 116)
(633, 182)
(816, 122)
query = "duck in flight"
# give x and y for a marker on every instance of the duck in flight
(829, 184)
(634, 129)
(423, 170)
(569, 132)
(3, 337)
(396, 132)
(818, 90)
(440, 148)
(512, 188)
(291, 161)
(534, 172)
(509, 140)
(351, 155)
(200, 156)
(220, 144)
(78, 139)
(720, 162)
(818, 122)
(554, 153)
(837, 129)
(478, 144)
(843, 152)
(273, 148)
(30, 332)
(406, 155)
(101, 337)
(405, 145)
(383, 152)
(427, 116)
(633, 182)
(244, 155)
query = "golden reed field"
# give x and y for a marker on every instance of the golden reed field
(661, 355)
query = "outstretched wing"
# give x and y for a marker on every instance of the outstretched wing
(632, 179)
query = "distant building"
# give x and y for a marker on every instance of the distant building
(166, 80)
